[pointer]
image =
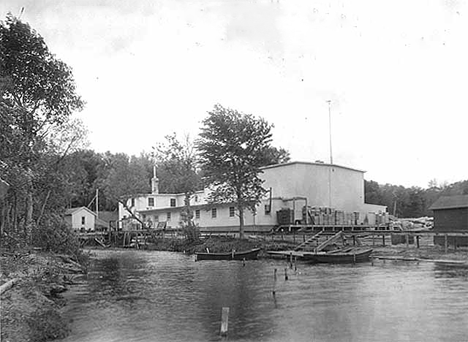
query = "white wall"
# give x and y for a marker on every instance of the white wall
(76, 218)
(323, 185)
(313, 181)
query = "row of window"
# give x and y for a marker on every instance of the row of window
(214, 213)
(172, 202)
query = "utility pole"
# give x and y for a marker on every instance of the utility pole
(330, 130)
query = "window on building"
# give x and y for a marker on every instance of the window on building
(144, 217)
(267, 209)
(173, 202)
(83, 220)
(168, 216)
(214, 213)
(150, 202)
(156, 218)
(133, 202)
(196, 198)
(232, 211)
(197, 214)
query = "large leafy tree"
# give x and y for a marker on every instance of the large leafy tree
(231, 149)
(273, 155)
(38, 95)
(33, 78)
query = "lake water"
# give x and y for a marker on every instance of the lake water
(161, 296)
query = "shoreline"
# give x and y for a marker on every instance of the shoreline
(30, 308)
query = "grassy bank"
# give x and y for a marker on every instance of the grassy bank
(30, 308)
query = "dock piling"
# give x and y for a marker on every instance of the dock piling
(224, 321)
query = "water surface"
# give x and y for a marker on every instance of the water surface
(161, 296)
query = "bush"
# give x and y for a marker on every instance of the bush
(191, 233)
(54, 235)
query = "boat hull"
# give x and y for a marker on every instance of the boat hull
(245, 255)
(340, 258)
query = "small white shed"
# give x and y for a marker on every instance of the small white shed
(81, 219)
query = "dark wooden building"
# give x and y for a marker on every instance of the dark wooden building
(451, 215)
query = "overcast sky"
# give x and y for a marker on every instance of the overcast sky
(396, 73)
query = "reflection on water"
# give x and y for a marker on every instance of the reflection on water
(162, 296)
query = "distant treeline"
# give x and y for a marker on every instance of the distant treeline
(413, 201)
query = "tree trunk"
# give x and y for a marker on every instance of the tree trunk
(241, 222)
(124, 203)
(188, 210)
(43, 208)
(29, 216)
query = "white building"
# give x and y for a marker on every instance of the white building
(291, 186)
(81, 219)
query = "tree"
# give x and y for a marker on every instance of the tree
(122, 178)
(273, 155)
(33, 78)
(231, 149)
(176, 164)
(37, 95)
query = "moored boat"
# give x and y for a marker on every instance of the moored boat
(344, 256)
(244, 255)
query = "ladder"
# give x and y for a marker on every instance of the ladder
(307, 243)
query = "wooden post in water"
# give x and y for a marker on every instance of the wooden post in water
(417, 241)
(383, 239)
(224, 321)
(286, 274)
(446, 243)
(290, 260)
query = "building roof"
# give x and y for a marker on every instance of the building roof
(108, 216)
(450, 202)
(100, 222)
(310, 163)
(71, 211)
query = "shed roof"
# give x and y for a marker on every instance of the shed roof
(450, 202)
(71, 211)
(108, 216)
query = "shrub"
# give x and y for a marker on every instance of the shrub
(54, 235)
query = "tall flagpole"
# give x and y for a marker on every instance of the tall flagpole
(330, 130)
(331, 157)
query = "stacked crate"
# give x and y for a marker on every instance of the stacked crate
(285, 216)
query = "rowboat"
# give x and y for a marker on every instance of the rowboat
(245, 255)
(340, 256)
